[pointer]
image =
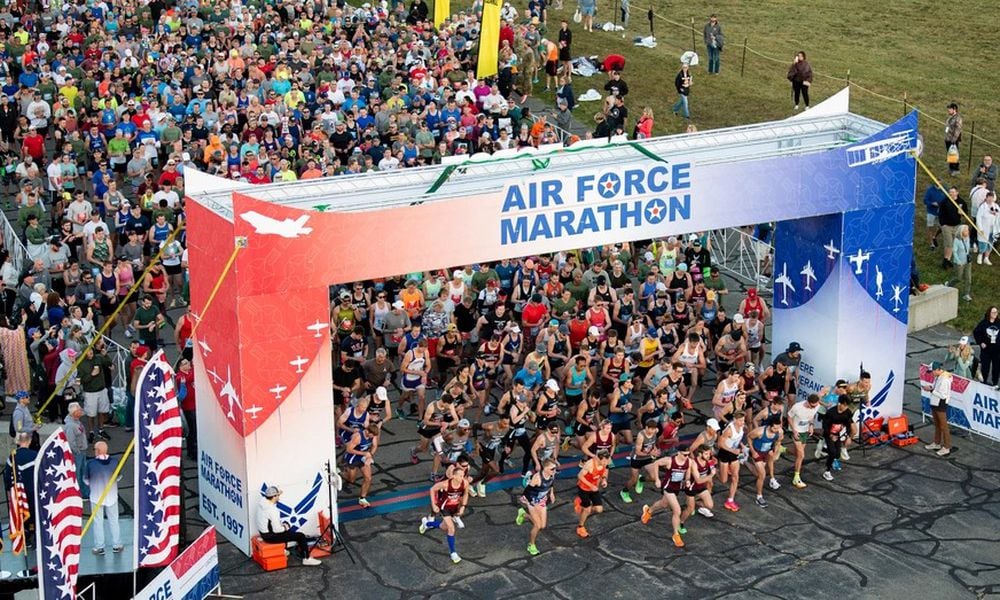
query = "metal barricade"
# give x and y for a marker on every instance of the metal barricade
(737, 252)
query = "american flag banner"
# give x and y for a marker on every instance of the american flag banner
(60, 519)
(158, 465)
(18, 510)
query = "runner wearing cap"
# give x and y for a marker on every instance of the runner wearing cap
(837, 428)
(520, 415)
(379, 407)
(538, 494)
(547, 405)
(801, 418)
(650, 351)
(828, 398)
(510, 354)
(791, 357)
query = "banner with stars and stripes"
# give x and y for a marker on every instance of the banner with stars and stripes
(60, 519)
(158, 465)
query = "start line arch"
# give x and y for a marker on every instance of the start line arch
(841, 185)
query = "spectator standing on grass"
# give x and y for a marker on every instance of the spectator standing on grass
(801, 75)
(988, 171)
(565, 49)
(933, 198)
(682, 82)
(714, 42)
(587, 10)
(961, 248)
(977, 195)
(988, 224)
(950, 217)
(953, 138)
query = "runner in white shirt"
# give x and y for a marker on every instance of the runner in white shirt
(801, 418)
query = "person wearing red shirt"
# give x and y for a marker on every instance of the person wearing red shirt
(169, 174)
(184, 383)
(532, 316)
(33, 146)
(578, 330)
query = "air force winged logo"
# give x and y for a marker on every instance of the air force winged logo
(297, 516)
(288, 228)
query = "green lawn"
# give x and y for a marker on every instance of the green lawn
(889, 48)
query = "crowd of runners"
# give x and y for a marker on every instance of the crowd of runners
(634, 351)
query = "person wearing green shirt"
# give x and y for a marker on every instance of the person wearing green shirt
(564, 307)
(118, 151)
(578, 288)
(715, 282)
(147, 322)
(482, 275)
(31, 208)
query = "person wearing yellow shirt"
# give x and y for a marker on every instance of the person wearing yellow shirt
(285, 172)
(69, 91)
(294, 97)
(21, 36)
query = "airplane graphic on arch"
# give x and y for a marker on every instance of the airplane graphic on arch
(809, 275)
(785, 282)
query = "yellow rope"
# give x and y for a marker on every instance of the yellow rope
(941, 187)
(111, 319)
(218, 284)
(107, 488)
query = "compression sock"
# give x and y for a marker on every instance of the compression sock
(433, 524)
(451, 543)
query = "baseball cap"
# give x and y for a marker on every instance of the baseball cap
(737, 318)
(464, 423)
(936, 365)
(964, 340)
(272, 491)
(515, 329)
(398, 304)
(554, 323)
(713, 423)
(552, 385)
(593, 331)
(381, 394)
(794, 347)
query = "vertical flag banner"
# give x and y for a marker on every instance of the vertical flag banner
(18, 511)
(489, 39)
(158, 465)
(60, 519)
(442, 10)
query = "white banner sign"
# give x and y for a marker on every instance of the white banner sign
(193, 575)
(974, 406)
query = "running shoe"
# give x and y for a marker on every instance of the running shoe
(455, 558)
(827, 476)
(844, 455)
(647, 514)
(732, 505)
(364, 503)
(773, 484)
(525, 479)
(820, 453)
(944, 452)
(626, 497)
(682, 529)
(117, 549)
(414, 459)
(568, 430)
(481, 488)
(761, 502)
(705, 512)
(436, 477)
(98, 551)
(564, 447)
(473, 491)
(458, 522)
(836, 465)
(532, 549)
(577, 506)
(932, 447)
(798, 483)
(686, 404)
(582, 532)
(423, 525)
(521, 514)
(677, 540)
(639, 486)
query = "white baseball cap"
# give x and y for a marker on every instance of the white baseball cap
(515, 329)
(552, 385)
(381, 394)
(398, 304)
(713, 423)
(594, 330)
(737, 318)
(964, 341)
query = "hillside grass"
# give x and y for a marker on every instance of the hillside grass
(889, 48)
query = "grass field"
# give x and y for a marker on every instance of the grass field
(890, 48)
